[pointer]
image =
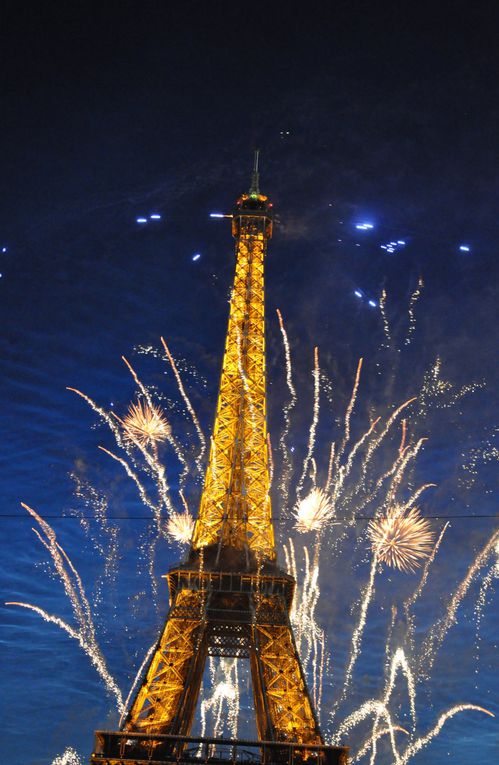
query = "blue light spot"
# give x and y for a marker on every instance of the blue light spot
(364, 226)
(358, 293)
(141, 220)
(464, 248)
(196, 256)
(401, 241)
(155, 216)
(4, 249)
(372, 303)
(216, 215)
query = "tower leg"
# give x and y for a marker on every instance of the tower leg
(283, 704)
(171, 685)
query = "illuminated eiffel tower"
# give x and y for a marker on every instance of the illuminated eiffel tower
(229, 598)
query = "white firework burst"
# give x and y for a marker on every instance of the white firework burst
(402, 538)
(313, 511)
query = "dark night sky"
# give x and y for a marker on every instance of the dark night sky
(363, 112)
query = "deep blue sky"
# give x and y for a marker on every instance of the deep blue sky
(364, 112)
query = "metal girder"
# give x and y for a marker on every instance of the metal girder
(158, 701)
(235, 506)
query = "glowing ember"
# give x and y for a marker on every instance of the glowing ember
(402, 539)
(180, 527)
(313, 511)
(146, 424)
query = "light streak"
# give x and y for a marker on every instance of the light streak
(92, 651)
(131, 474)
(287, 409)
(348, 413)
(410, 311)
(330, 467)
(401, 539)
(438, 632)
(371, 707)
(188, 404)
(411, 600)
(399, 660)
(357, 634)
(271, 459)
(386, 325)
(313, 427)
(421, 742)
(103, 414)
(380, 732)
(136, 679)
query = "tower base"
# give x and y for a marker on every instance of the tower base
(125, 748)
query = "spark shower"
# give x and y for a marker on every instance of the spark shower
(350, 500)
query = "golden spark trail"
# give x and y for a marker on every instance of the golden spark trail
(386, 325)
(411, 600)
(92, 651)
(54, 551)
(410, 311)
(286, 472)
(343, 471)
(409, 454)
(105, 416)
(367, 745)
(359, 629)
(330, 468)
(376, 442)
(403, 437)
(143, 494)
(348, 413)
(370, 707)
(399, 660)
(188, 404)
(421, 742)
(136, 680)
(81, 589)
(492, 573)
(438, 633)
(416, 494)
(271, 460)
(313, 426)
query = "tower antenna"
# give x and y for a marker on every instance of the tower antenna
(255, 177)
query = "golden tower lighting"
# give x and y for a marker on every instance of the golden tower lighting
(229, 598)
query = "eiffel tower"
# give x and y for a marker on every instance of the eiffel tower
(229, 598)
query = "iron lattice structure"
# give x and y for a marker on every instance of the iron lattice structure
(229, 598)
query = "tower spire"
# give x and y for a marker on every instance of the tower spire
(255, 178)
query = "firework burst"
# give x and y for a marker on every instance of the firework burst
(146, 423)
(180, 527)
(402, 539)
(313, 511)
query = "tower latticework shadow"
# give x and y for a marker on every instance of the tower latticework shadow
(229, 598)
